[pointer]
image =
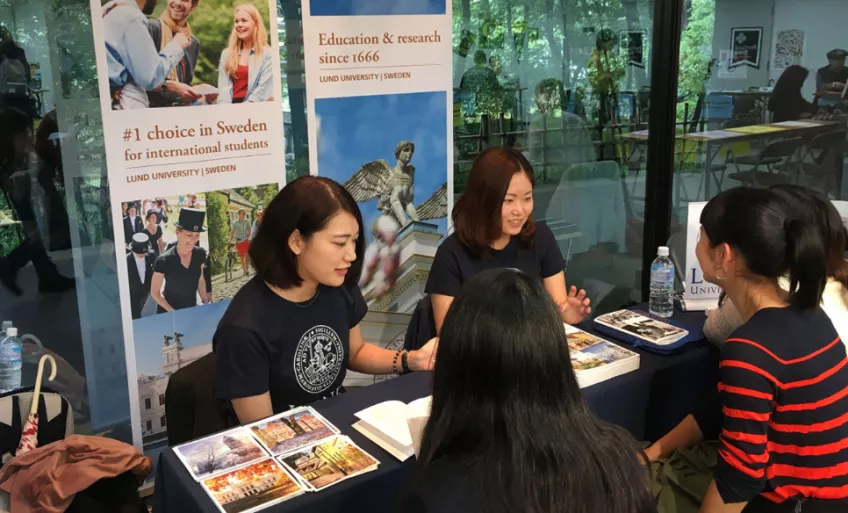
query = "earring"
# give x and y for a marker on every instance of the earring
(716, 273)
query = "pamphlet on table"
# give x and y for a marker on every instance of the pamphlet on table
(647, 329)
(251, 467)
(595, 360)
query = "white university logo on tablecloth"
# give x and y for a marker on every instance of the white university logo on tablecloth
(318, 359)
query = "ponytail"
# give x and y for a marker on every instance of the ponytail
(806, 256)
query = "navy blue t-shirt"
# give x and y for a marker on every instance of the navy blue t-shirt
(454, 263)
(296, 351)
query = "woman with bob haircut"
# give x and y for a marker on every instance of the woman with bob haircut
(494, 227)
(509, 429)
(780, 408)
(291, 332)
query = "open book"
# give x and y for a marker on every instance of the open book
(595, 359)
(394, 426)
(634, 324)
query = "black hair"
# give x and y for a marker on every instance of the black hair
(772, 238)
(788, 87)
(306, 204)
(507, 405)
(817, 210)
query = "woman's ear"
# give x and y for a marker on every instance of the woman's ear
(296, 242)
(726, 256)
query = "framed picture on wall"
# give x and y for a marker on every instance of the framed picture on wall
(746, 47)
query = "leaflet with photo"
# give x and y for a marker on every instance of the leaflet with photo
(329, 462)
(642, 327)
(595, 360)
(292, 430)
(253, 487)
(219, 453)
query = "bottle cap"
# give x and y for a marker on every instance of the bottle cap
(662, 251)
(12, 332)
(6, 325)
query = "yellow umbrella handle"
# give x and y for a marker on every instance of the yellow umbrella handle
(34, 408)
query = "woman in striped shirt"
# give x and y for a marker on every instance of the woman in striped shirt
(783, 379)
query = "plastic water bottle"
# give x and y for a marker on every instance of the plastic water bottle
(662, 285)
(11, 361)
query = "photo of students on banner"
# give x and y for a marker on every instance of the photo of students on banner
(178, 250)
(159, 52)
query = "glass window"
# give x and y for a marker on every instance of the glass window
(162, 421)
(762, 99)
(568, 84)
(565, 81)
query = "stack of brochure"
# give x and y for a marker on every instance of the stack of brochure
(633, 326)
(595, 360)
(252, 467)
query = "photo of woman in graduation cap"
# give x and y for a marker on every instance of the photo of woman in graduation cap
(181, 267)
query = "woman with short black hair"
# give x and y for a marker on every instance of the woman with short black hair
(291, 332)
(509, 430)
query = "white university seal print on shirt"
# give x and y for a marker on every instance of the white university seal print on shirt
(318, 359)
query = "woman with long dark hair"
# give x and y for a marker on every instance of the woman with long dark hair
(509, 429)
(494, 227)
(787, 103)
(780, 410)
(290, 334)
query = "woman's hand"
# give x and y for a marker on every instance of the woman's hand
(423, 359)
(575, 308)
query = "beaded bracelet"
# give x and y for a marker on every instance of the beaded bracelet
(394, 364)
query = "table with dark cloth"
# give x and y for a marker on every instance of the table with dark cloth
(647, 402)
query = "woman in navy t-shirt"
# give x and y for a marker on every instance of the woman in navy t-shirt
(290, 334)
(494, 227)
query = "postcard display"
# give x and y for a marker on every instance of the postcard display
(380, 117)
(208, 165)
(252, 467)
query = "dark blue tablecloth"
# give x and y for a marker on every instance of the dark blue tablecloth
(647, 402)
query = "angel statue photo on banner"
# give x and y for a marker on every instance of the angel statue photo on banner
(394, 189)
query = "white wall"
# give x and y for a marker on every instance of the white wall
(731, 14)
(824, 24)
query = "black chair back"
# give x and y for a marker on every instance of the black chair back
(191, 408)
(422, 325)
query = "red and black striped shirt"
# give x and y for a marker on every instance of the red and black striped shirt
(783, 382)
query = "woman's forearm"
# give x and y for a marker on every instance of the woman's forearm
(685, 434)
(161, 301)
(371, 359)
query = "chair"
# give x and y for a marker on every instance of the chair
(823, 151)
(784, 151)
(191, 408)
(422, 325)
